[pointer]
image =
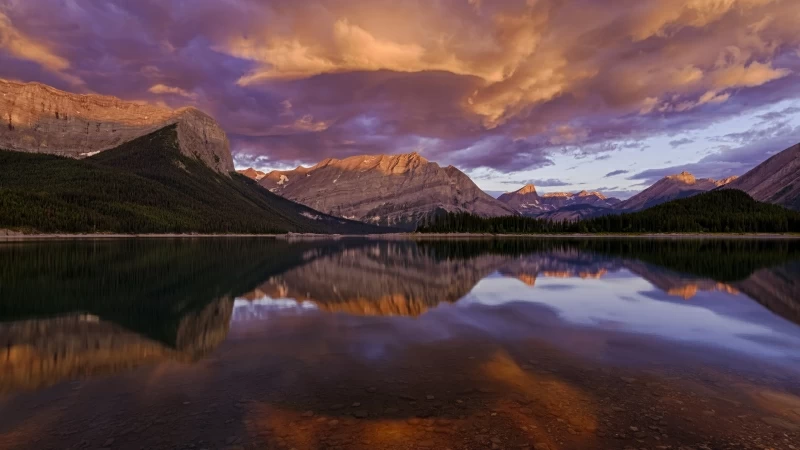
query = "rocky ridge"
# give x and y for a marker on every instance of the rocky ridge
(776, 180)
(528, 201)
(41, 119)
(672, 187)
(395, 190)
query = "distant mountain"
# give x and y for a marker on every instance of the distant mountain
(718, 211)
(669, 188)
(576, 212)
(777, 180)
(528, 202)
(148, 185)
(41, 119)
(253, 174)
(397, 190)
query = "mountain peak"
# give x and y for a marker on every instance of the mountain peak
(251, 173)
(726, 181)
(43, 119)
(683, 177)
(558, 194)
(527, 189)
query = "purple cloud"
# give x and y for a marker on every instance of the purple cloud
(515, 85)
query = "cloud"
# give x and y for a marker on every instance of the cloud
(750, 149)
(22, 46)
(779, 115)
(508, 84)
(680, 142)
(164, 89)
(549, 182)
(615, 173)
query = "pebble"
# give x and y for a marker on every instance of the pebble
(109, 442)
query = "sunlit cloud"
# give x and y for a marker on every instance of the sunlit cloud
(506, 85)
(171, 90)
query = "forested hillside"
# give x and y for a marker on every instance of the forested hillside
(146, 186)
(726, 211)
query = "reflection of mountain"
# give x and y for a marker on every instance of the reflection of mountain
(778, 289)
(78, 308)
(558, 264)
(407, 278)
(676, 284)
(87, 345)
(381, 278)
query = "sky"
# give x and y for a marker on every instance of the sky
(569, 95)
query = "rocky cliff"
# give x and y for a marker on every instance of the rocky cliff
(397, 190)
(41, 119)
(529, 203)
(777, 180)
(669, 188)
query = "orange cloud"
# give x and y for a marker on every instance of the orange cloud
(24, 47)
(532, 53)
(164, 89)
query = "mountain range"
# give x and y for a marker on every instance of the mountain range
(397, 190)
(529, 203)
(87, 163)
(83, 163)
(366, 188)
(672, 187)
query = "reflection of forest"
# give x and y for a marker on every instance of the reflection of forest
(74, 309)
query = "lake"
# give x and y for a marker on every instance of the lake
(244, 343)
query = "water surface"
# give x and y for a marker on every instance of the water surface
(352, 343)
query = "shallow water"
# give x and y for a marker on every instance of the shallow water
(352, 343)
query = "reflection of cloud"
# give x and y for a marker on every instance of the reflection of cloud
(597, 303)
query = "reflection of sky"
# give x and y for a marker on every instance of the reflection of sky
(630, 303)
(244, 310)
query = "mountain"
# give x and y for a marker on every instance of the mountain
(718, 211)
(379, 278)
(575, 206)
(41, 119)
(253, 174)
(397, 190)
(148, 185)
(777, 180)
(669, 188)
(574, 213)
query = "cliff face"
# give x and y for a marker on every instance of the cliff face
(776, 180)
(41, 119)
(397, 190)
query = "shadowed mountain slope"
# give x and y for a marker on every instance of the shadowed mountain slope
(148, 185)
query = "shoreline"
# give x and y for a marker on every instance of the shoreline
(395, 236)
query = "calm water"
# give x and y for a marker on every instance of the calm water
(261, 343)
